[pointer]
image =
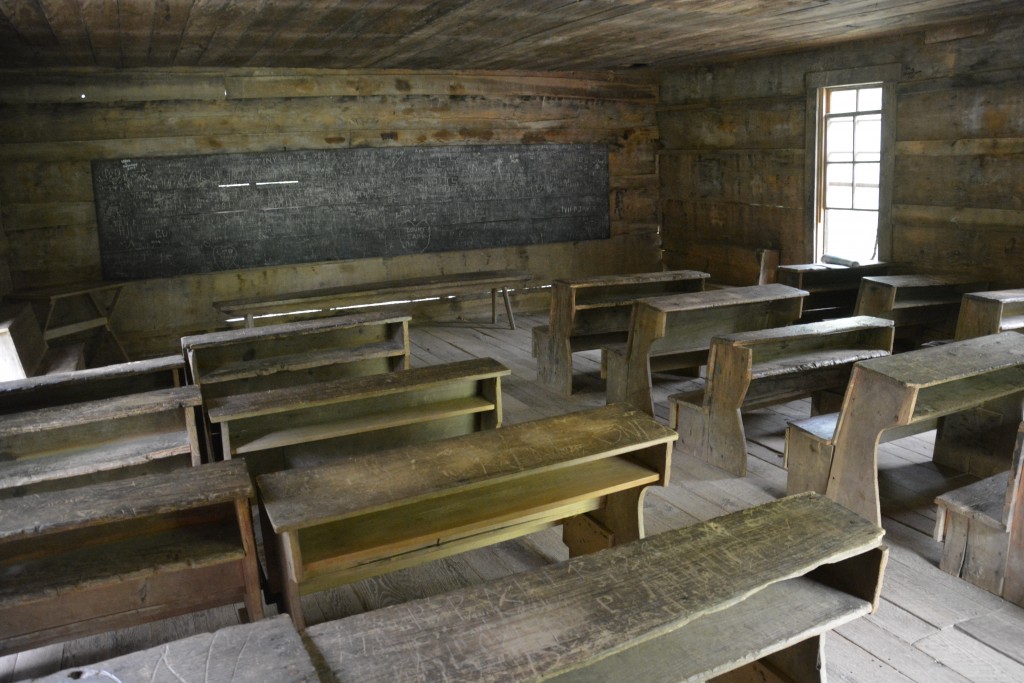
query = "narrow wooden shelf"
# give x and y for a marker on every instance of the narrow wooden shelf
(111, 455)
(944, 399)
(250, 441)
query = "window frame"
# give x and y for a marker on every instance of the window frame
(884, 76)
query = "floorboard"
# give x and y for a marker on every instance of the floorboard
(930, 628)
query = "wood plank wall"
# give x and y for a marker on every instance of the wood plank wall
(732, 167)
(53, 123)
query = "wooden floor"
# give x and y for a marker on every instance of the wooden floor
(931, 627)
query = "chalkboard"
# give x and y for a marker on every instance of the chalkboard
(166, 216)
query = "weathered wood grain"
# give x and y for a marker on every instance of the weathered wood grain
(491, 632)
(236, 654)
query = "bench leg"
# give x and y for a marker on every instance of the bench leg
(803, 662)
(250, 570)
(291, 561)
(808, 461)
(554, 363)
(620, 520)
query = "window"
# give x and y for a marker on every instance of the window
(852, 141)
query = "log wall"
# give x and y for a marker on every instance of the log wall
(732, 167)
(52, 124)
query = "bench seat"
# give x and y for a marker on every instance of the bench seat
(979, 526)
(366, 514)
(780, 574)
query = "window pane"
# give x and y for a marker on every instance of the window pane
(865, 190)
(839, 140)
(870, 99)
(851, 234)
(842, 101)
(839, 186)
(868, 138)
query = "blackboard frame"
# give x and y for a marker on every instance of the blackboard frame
(170, 216)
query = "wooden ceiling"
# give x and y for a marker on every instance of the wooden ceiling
(535, 35)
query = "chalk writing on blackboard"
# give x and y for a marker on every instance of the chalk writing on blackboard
(167, 216)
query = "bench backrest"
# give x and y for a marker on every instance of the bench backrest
(688, 322)
(246, 360)
(729, 264)
(603, 303)
(92, 384)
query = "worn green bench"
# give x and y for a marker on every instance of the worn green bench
(589, 313)
(371, 513)
(749, 596)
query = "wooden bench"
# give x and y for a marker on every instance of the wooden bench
(970, 390)
(979, 527)
(245, 360)
(588, 313)
(92, 384)
(754, 369)
(24, 352)
(121, 553)
(984, 313)
(730, 265)
(79, 315)
(831, 289)
(305, 424)
(749, 596)
(325, 300)
(266, 650)
(673, 332)
(69, 444)
(375, 513)
(924, 307)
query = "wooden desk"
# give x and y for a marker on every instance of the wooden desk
(591, 312)
(754, 592)
(382, 511)
(323, 421)
(918, 388)
(749, 370)
(323, 299)
(122, 553)
(74, 311)
(831, 289)
(924, 307)
(984, 313)
(676, 331)
(92, 384)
